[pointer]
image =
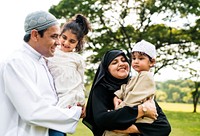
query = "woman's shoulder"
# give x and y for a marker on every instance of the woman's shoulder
(100, 86)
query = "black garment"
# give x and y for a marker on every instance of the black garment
(159, 127)
(101, 97)
(100, 115)
(104, 120)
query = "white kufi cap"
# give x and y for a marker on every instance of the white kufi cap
(145, 47)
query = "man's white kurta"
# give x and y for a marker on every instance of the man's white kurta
(28, 98)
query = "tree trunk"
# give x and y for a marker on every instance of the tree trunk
(196, 95)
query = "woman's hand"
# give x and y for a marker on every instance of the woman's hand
(131, 129)
(151, 109)
(148, 109)
(116, 101)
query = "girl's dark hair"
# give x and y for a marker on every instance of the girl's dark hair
(79, 26)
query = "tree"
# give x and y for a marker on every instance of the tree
(196, 95)
(120, 24)
(194, 70)
(161, 96)
(178, 91)
(176, 97)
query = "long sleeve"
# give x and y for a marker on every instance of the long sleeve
(81, 67)
(138, 89)
(113, 119)
(119, 93)
(26, 85)
(159, 127)
(122, 91)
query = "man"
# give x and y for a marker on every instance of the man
(27, 93)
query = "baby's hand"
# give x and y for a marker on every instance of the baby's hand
(116, 101)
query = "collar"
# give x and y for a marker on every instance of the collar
(31, 51)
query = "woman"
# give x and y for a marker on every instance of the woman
(113, 71)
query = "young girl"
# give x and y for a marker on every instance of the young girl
(67, 66)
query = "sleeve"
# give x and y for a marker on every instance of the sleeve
(119, 93)
(113, 119)
(81, 94)
(160, 127)
(31, 105)
(143, 88)
(81, 67)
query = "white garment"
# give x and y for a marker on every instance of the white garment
(67, 69)
(28, 98)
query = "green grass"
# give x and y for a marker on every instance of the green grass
(81, 130)
(184, 123)
(180, 116)
(178, 107)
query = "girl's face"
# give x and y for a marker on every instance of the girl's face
(141, 62)
(119, 67)
(68, 41)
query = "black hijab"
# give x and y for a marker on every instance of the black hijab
(104, 78)
(103, 74)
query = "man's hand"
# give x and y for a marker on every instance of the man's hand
(83, 113)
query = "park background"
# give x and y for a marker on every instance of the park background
(173, 26)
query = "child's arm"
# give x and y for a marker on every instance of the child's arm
(119, 93)
(116, 102)
(81, 67)
(142, 90)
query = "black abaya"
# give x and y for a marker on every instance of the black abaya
(100, 115)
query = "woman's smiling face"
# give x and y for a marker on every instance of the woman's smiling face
(119, 67)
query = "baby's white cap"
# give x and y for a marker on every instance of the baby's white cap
(145, 47)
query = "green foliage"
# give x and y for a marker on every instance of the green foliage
(161, 96)
(120, 24)
(179, 91)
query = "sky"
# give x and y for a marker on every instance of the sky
(13, 13)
